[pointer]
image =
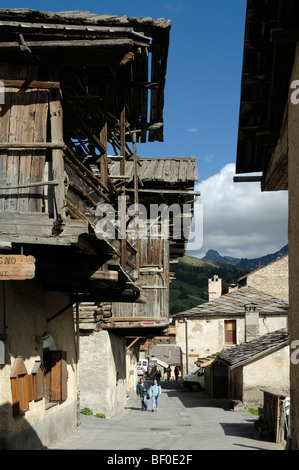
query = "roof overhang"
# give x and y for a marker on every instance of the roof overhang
(271, 33)
(135, 50)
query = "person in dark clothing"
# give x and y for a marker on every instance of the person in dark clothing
(158, 376)
(142, 390)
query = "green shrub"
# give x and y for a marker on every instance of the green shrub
(86, 411)
(100, 415)
(253, 411)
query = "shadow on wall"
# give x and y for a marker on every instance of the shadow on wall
(25, 439)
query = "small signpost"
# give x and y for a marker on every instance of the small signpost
(16, 267)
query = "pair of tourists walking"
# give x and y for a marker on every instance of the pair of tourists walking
(145, 392)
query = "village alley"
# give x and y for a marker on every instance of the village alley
(185, 421)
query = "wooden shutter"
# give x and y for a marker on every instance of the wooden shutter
(230, 331)
(38, 381)
(19, 387)
(58, 376)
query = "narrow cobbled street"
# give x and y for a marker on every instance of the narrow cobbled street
(185, 421)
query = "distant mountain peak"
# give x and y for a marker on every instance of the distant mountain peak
(251, 264)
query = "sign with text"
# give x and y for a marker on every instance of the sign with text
(16, 267)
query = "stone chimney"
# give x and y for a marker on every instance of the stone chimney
(251, 322)
(215, 287)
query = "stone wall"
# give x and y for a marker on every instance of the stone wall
(206, 335)
(24, 309)
(272, 279)
(269, 372)
(102, 381)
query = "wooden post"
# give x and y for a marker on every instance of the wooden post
(57, 154)
(103, 158)
(136, 200)
(123, 188)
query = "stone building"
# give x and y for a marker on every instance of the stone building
(272, 279)
(267, 149)
(242, 373)
(232, 319)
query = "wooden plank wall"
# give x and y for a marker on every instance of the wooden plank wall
(23, 119)
(154, 280)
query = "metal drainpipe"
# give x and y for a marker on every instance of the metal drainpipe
(78, 362)
(186, 333)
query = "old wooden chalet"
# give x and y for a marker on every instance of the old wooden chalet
(79, 91)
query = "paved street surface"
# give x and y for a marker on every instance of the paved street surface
(185, 421)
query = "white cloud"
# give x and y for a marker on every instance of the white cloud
(238, 219)
(193, 130)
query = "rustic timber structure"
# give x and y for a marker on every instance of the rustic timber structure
(161, 181)
(268, 135)
(84, 79)
(78, 92)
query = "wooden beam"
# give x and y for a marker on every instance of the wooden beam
(167, 191)
(29, 84)
(284, 35)
(136, 319)
(104, 276)
(30, 185)
(247, 179)
(133, 342)
(37, 228)
(69, 44)
(32, 145)
(123, 188)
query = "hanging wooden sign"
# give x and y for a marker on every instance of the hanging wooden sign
(16, 267)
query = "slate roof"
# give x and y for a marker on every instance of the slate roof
(84, 17)
(247, 352)
(169, 353)
(234, 304)
(168, 170)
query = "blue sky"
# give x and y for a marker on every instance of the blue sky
(201, 115)
(203, 73)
